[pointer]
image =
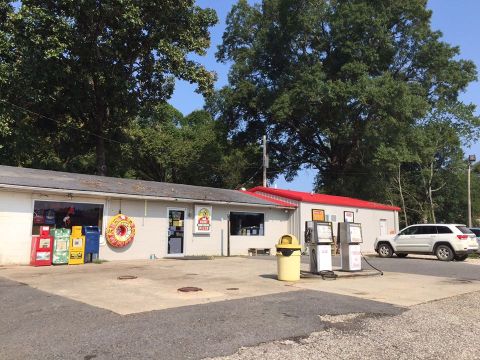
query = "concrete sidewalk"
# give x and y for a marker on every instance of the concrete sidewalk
(157, 283)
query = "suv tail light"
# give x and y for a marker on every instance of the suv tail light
(462, 237)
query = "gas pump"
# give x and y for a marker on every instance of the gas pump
(350, 235)
(319, 237)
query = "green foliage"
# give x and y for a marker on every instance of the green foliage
(94, 65)
(355, 89)
(192, 150)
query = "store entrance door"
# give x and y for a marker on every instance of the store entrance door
(176, 231)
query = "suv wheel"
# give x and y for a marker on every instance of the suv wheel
(385, 250)
(461, 257)
(444, 253)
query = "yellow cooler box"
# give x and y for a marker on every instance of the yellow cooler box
(76, 253)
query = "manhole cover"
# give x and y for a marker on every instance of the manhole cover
(126, 277)
(189, 289)
(232, 288)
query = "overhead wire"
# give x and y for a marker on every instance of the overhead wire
(59, 122)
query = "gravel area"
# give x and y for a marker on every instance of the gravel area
(443, 329)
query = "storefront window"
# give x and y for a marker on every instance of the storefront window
(58, 214)
(247, 224)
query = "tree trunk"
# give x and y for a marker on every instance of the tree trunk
(101, 164)
(100, 157)
(401, 195)
(430, 197)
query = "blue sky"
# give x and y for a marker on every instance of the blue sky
(457, 20)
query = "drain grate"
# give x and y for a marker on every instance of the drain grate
(232, 288)
(189, 289)
(126, 277)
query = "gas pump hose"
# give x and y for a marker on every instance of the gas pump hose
(373, 267)
(328, 274)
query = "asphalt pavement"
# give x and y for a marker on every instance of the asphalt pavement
(36, 325)
(428, 266)
(444, 329)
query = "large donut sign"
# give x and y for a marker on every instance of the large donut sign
(120, 231)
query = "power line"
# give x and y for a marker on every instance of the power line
(251, 178)
(58, 122)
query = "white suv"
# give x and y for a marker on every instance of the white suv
(446, 241)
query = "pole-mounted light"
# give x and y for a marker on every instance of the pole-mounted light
(471, 160)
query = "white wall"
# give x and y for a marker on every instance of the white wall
(276, 225)
(16, 220)
(369, 218)
(151, 223)
(152, 230)
(16, 217)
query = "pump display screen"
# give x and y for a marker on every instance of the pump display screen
(324, 231)
(355, 233)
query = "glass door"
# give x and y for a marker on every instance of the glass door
(176, 233)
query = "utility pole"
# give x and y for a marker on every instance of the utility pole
(265, 161)
(471, 160)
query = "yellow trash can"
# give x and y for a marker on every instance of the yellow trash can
(288, 258)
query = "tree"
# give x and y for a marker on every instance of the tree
(95, 64)
(168, 147)
(331, 81)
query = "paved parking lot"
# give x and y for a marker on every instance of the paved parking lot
(84, 312)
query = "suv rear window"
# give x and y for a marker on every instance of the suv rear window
(464, 230)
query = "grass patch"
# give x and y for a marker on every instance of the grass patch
(99, 261)
(474, 256)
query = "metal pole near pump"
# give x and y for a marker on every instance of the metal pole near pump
(265, 161)
(471, 160)
(228, 235)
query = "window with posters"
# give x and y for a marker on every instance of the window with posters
(247, 224)
(203, 219)
(61, 214)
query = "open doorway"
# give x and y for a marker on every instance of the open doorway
(176, 231)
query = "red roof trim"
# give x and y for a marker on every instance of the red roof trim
(323, 199)
(275, 201)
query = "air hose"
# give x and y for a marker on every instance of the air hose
(373, 267)
(328, 274)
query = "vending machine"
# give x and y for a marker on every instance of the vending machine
(350, 235)
(41, 251)
(61, 240)
(92, 242)
(319, 238)
(76, 251)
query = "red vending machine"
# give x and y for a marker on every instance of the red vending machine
(42, 246)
